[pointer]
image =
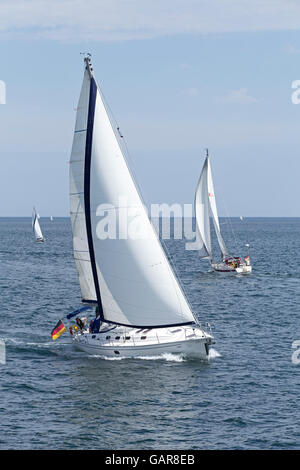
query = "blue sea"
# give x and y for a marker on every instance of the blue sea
(245, 397)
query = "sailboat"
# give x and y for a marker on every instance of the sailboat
(205, 209)
(51, 218)
(36, 227)
(140, 305)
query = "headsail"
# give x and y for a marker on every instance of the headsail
(213, 207)
(129, 276)
(36, 226)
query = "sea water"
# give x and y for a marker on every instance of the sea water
(245, 397)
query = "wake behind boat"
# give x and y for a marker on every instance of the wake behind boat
(142, 309)
(36, 227)
(206, 208)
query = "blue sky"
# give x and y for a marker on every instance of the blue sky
(179, 77)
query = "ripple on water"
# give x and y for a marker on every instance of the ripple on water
(246, 396)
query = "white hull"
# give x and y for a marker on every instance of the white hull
(224, 268)
(244, 269)
(186, 341)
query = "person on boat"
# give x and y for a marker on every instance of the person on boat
(95, 324)
(80, 323)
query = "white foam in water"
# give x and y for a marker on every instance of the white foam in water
(106, 358)
(17, 342)
(166, 357)
(2, 352)
(213, 353)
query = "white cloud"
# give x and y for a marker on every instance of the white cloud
(239, 96)
(185, 66)
(292, 49)
(111, 20)
(192, 92)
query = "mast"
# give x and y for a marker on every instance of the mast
(87, 178)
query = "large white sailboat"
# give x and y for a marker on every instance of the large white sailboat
(205, 209)
(36, 227)
(141, 308)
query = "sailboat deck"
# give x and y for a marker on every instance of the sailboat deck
(121, 336)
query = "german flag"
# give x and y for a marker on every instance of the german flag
(58, 330)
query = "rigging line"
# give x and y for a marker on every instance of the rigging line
(228, 220)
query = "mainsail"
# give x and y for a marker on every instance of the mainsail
(205, 204)
(128, 275)
(202, 214)
(36, 226)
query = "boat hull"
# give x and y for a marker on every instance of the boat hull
(223, 268)
(185, 344)
(244, 269)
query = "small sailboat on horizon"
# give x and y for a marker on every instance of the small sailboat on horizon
(36, 227)
(205, 209)
(141, 309)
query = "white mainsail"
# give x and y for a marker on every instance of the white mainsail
(205, 204)
(36, 226)
(129, 276)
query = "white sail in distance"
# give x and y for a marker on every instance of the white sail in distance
(36, 226)
(130, 278)
(205, 205)
(213, 207)
(202, 214)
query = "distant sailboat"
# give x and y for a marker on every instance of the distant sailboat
(36, 227)
(51, 218)
(206, 208)
(141, 308)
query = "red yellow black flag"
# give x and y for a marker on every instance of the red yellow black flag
(58, 330)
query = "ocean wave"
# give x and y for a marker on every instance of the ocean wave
(213, 353)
